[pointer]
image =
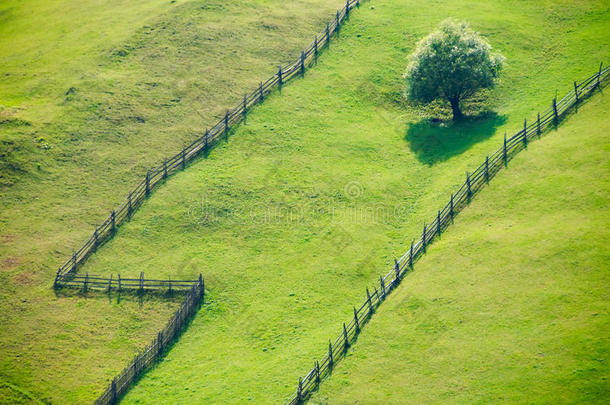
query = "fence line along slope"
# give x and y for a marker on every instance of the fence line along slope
(85, 112)
(159, 174)
(155, 351)
(433, 230)
(66, 275)
(509, 303)
(341, 138)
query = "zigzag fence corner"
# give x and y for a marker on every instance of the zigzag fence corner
(155, 351)
(473, 183)
(158, 174)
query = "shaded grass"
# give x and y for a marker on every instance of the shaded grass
(510, 305)
(434, 141)
(307, 203)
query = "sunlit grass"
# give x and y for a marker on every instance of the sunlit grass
(511, 304)
(91, 94)
(309, 201)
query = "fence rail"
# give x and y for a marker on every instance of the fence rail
(473, 183)
(158, 174)
(88, 282)
(153, 352)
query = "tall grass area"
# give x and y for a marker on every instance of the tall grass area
(307, 203)
(511, 305)
(91, 94)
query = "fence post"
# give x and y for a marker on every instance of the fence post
(346, 341)
(411, 256)
(505, 152)
(451, 213)
(245, 104)
(57, 275)
(382, 287)
(538, 125)
(487, 169)
(317, 372)
(119, 275)
(279, 76)
(141, 282)
(303, 63)
(368, 299)
(159, 344)
(315, 47)
(438, 223)
(74, 262)
(576, 91)
(468, 184)
(113, 393)
(183, 159)
(356, 320)
(95, 241)
(207, 135)
(338, 21)
(227, 124)
(600, 73)
(85, 285)
(169, 283)
(113, 221)
(555, 109)
(164, 168)
(136, 365)
(330, 355)
(327, 34)
(129, 206)
(202, 283)
(397, 270)
(525, 132)
(300, 391)
(347, 8)
(147, 183)
(110, 283)
(423, 238)
(260, 92)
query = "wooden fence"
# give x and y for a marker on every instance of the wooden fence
(158, 174)
(89, 282)
(473, 183)
(154, 352)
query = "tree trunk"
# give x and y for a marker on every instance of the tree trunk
(455, 107)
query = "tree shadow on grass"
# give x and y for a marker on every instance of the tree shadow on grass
(436, 141)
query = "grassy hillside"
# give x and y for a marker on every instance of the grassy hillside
(91, 94)
(307, 203)
(511, 305)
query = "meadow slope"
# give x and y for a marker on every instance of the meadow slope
(306, 204)
(91, 94)
(511, 305)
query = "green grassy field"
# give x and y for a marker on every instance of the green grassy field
(91, 94)
(511, 305)
(308, 202)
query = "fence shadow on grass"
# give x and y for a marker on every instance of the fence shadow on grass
(436, 141)
(156, 296)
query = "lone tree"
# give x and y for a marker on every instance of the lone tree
(453, 63)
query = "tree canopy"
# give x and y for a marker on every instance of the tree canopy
(453, 63)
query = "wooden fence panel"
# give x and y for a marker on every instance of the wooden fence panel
(154, 352)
